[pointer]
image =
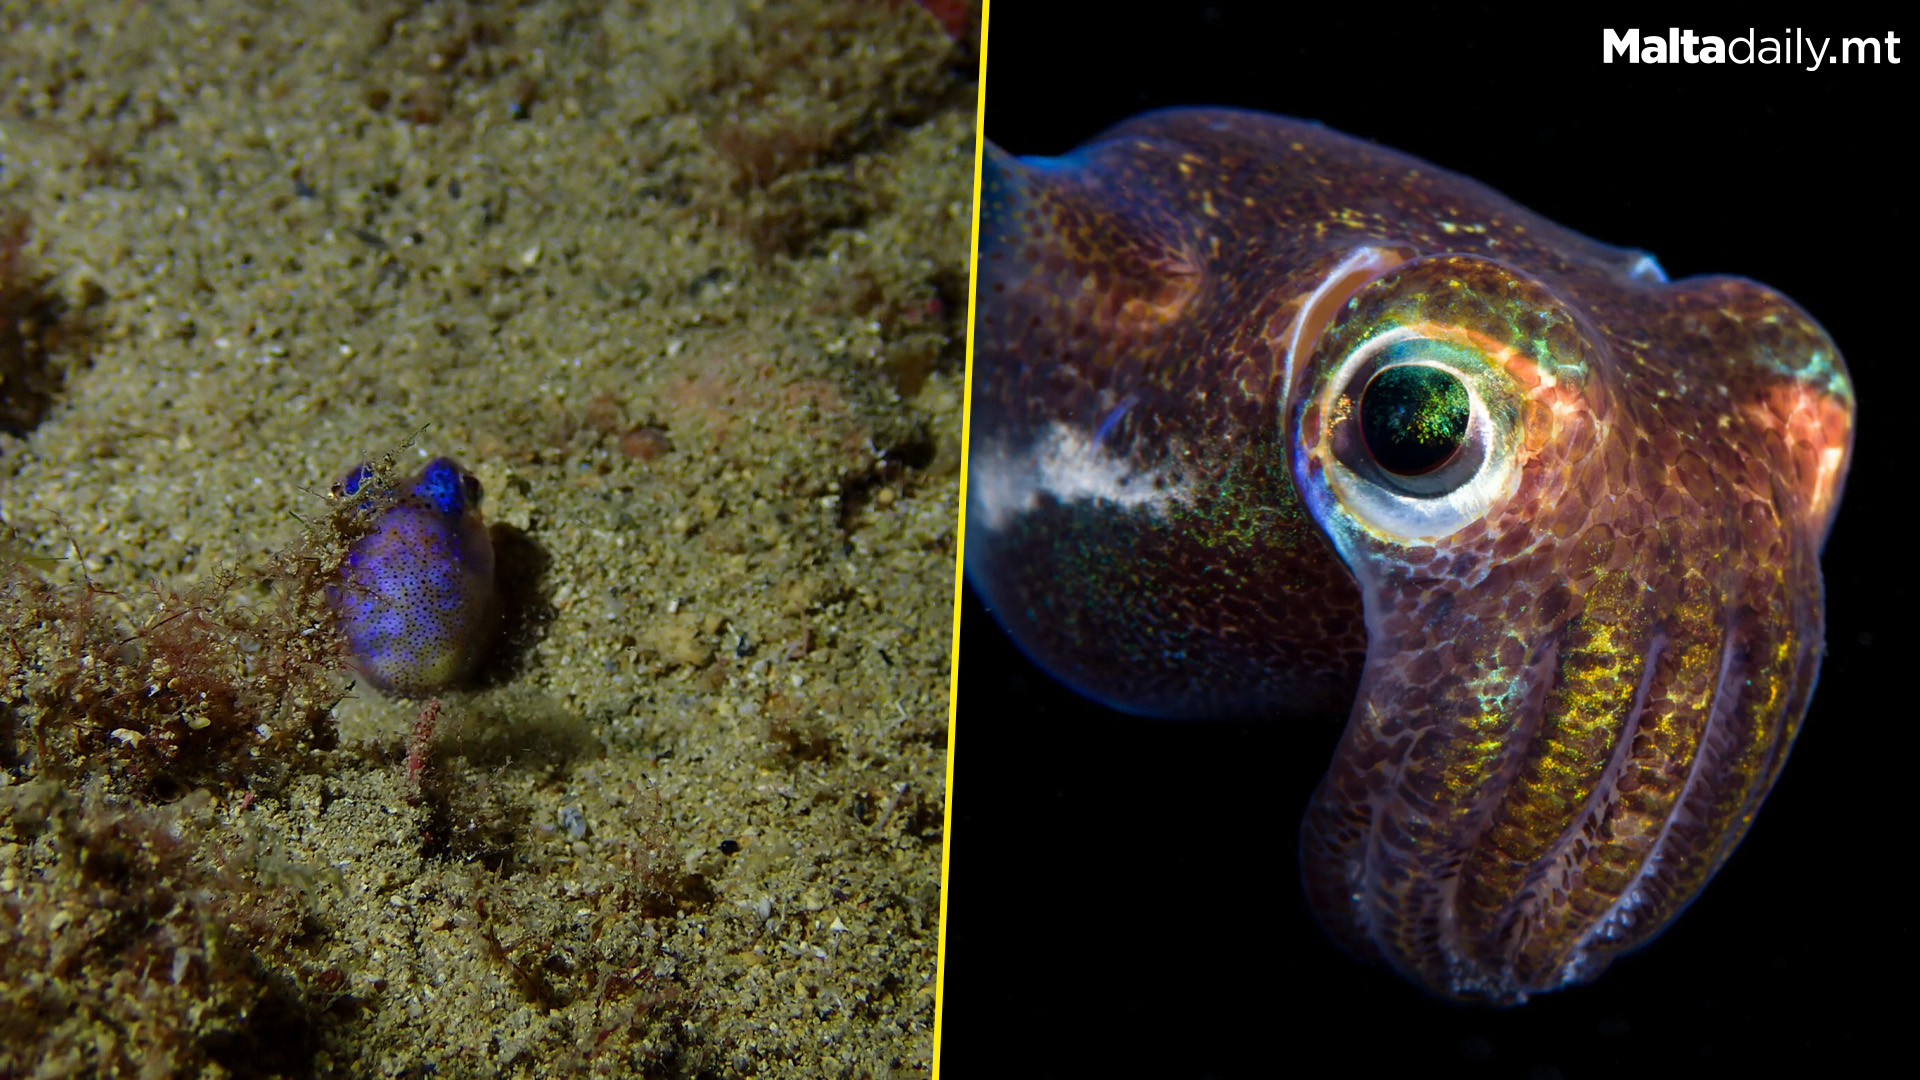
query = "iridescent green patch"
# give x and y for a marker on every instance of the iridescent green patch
(1414, 418)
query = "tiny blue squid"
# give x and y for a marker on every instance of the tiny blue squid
(417, 602)
(1269, 421)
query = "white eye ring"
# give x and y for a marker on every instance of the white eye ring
(1411, 508)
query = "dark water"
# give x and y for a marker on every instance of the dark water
(1124, 892)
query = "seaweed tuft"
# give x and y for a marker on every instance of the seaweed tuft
(228, 684)
(223, 685)
(127, 950)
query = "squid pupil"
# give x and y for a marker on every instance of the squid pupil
(1414, 418)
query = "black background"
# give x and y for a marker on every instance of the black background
(1123, 897)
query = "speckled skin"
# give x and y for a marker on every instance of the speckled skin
(1570, 681)
(418, 603)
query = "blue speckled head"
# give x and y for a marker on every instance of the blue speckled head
(451, 489)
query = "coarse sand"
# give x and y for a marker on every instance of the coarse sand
(683, 284)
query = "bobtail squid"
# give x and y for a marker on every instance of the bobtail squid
(1271, 421)
(417, 602)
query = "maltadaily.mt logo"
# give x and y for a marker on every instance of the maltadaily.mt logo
(1793, 46)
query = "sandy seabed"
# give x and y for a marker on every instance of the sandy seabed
(683, 284)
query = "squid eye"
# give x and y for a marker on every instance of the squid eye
(1413, 413)
(1419, 432)
(443, 483)
(1414, 418)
